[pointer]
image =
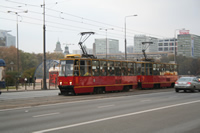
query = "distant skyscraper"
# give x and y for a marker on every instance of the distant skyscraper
(188, 45)
(7, 40)
(138, 46)
(58, 48)
(166, 45)
(100, 46)
(130, 49)
(79, 51)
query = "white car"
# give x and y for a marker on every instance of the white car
(187, 83)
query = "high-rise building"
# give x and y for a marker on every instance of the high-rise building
(188, 45)
(166, 45)
(79, 51)
(138, 46)
(129, 49)
(6, 39)
(100, 46)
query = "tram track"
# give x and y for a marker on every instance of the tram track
(37, 101)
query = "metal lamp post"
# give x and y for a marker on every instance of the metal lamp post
(106, 38)
(44, 87)
(17, 14)
(125, 33)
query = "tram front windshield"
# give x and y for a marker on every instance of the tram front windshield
(66, 68)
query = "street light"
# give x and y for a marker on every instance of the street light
(175, 43)
(17, 14)
(125, 32)
(106, 29)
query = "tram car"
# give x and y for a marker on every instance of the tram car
(89, 75)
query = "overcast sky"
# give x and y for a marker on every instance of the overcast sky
(65, 19)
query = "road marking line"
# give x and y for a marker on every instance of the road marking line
(114, 117)
(148, 100)
(106, 106)
(46, 114)
(15, 108)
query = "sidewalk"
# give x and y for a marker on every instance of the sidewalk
(27, 88)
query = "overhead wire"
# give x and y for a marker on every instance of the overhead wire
(130, 33)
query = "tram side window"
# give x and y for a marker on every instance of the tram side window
(167, 68)
(130, 69)
(143, 69)
(134, 69)
(150, 69)
(95, 68)
(76, 68)
(111, 69)
(146, 69)
(138, 68)
(124, 68)
(85, 67)
(154, 70)
(159, 69)
(175, 70)
(171, 68)
(103, 68)
(118, 68)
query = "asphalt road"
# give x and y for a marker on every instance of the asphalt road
(164, 112)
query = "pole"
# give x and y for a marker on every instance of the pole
(125, 42)
(17, 45)
(125, 38)
(17, 42)
(106, 39)
(17, 52)
(44, 87)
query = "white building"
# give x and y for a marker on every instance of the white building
(188, 45)
(6, 39)
(79, 51)
(100, 46)
(129, 49)
(166, 45)
(138, 46)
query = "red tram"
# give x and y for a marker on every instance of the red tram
(89, 75)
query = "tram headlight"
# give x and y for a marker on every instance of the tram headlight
(70, 83)
(60, 83)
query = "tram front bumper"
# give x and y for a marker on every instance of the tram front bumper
(66, 89)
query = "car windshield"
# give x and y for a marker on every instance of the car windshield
(186, 79)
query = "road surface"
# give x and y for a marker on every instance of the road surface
(164, 112)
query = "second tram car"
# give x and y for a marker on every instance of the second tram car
(82, 75)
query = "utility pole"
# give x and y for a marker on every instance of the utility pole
(44, 87)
